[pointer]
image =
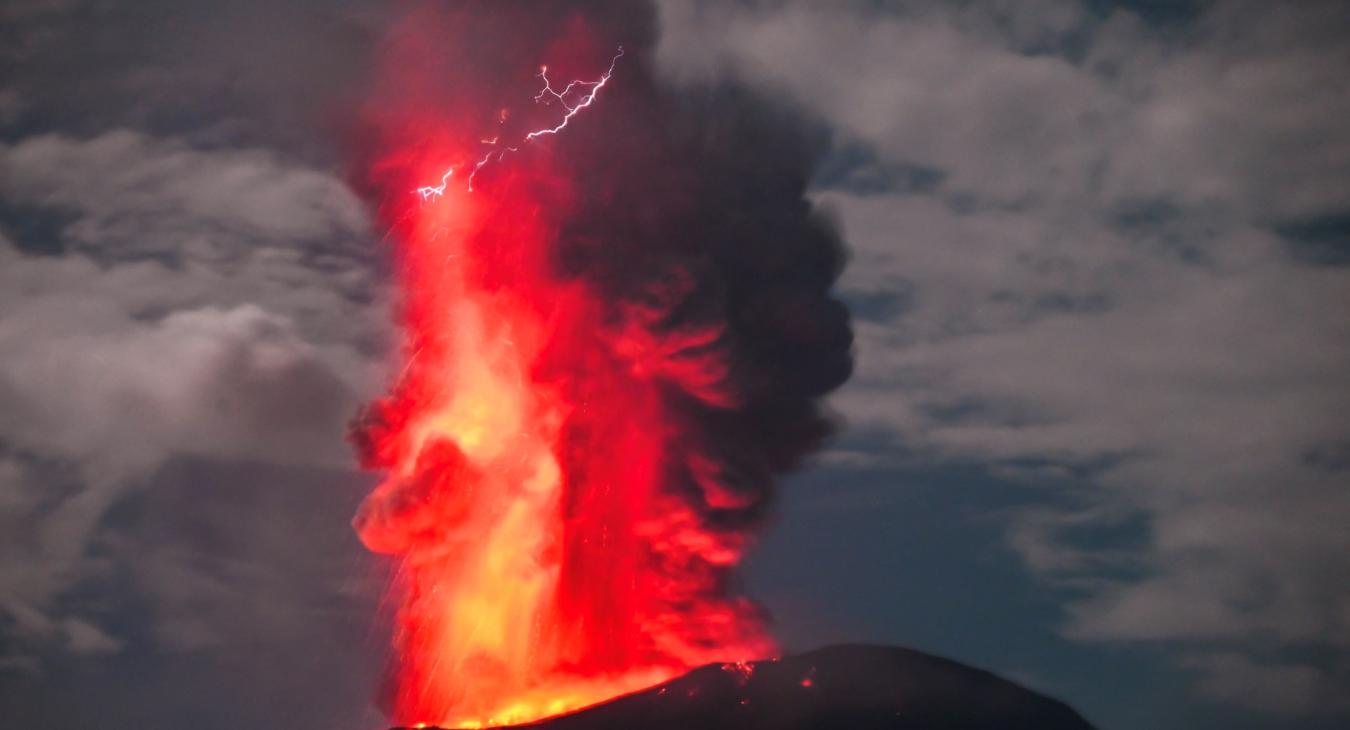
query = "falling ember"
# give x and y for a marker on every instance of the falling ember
(581, 440)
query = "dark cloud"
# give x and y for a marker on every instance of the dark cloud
(246, 73)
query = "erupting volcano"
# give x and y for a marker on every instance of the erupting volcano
(618, 321)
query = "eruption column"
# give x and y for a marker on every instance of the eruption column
(583, 438)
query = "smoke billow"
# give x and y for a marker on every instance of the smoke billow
(617, 340)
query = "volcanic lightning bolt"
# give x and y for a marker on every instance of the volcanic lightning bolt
(561, 96)
(583, 434)
(428, 191)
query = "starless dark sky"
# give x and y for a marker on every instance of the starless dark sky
(1096, 441)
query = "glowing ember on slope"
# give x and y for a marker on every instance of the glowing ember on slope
(572, 467)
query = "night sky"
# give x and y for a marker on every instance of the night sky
(1096, 440)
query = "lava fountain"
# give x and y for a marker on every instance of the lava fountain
(617, 323)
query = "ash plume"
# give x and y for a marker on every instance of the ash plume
(683, 333)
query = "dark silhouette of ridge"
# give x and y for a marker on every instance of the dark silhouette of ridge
(846, 687)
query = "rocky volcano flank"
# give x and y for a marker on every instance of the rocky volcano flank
(848, 686)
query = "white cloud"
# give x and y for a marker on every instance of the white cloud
(116, 179)
(210, 304)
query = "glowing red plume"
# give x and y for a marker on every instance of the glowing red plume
(572, 470)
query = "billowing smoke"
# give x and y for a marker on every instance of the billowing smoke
(616, 339)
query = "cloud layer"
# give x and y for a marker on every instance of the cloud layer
(164, 298)
(1077, 264)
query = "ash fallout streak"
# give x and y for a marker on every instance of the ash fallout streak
(616, 337)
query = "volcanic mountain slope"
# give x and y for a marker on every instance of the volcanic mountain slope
(853, 687)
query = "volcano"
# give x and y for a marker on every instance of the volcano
(846, 686)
